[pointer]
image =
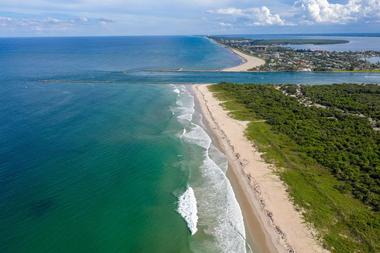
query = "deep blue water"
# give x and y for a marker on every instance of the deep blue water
(43, 57)
(91, 158)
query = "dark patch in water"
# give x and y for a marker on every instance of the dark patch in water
(41, 207)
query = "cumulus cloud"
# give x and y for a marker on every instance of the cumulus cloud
(195, 16)
(252, 16)
(305, 11)
(322, 11)
(263, 16)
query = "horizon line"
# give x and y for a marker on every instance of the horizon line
(363, 34)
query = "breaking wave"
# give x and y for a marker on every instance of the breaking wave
(216, 206)
(187, 207)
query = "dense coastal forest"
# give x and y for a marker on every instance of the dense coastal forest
(358, 99)
(327, 140)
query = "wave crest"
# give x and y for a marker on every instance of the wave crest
(187, 208)
(216, 206)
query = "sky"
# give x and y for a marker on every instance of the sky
(186, 17)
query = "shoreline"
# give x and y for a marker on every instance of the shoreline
(257, 239)
(271, 219)
(248, 62)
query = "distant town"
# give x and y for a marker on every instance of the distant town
(279, 57)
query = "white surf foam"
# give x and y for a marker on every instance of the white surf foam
(219, 205)
(218, 210)
(217, 202)
(185, 104)
(183, 133)
(187, 207)
(197, 135)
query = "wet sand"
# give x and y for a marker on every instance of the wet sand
(273, 223)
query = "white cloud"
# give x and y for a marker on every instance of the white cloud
(83, 19)
(322, 11)
(225, 24)
(305, 11)
(49, 23)
(252, 16)
(228, 11)
(186, 16)
(263, 16)
(105, 21)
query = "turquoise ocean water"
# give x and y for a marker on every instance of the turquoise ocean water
(103, 150)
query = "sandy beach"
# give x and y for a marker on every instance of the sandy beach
(248, 63)
(272, 221)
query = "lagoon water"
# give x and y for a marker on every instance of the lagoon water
(356, 42)
(102, 149)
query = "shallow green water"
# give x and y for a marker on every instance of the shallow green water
(99, 177)
(95, 150)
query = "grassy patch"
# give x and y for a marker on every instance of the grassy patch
(344, 223)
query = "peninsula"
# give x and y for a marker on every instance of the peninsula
(276, 55)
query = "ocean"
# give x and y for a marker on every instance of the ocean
(102, 148)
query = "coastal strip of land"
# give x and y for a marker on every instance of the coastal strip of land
(249, 62)
(277, 56)
(280, 227)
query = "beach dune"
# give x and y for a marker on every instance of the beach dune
(282, 226)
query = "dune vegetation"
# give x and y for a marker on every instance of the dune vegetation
(326, 147)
